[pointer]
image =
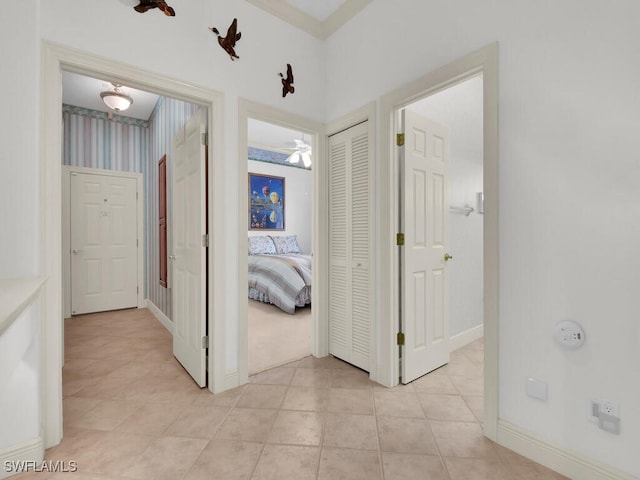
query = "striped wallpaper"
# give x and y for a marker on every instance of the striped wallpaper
(93, 140)
(167, 118)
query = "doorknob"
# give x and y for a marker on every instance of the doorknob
(447, 257)
(172, 257)
(75, 250)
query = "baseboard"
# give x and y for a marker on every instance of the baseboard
(567, 463)
(466, 337)
(32, 451)
(162, 318)
(144, 303)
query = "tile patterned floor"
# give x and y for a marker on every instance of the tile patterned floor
(131, 412)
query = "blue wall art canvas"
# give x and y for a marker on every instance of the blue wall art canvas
(266, 202)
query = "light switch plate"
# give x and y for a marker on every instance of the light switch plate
(537, 389)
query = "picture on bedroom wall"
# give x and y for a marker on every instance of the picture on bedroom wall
(266, 202)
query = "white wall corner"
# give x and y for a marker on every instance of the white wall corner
(466, 337)
(32, 451)
(563, 461)
(162, 318)
(231, 380)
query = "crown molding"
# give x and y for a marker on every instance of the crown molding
(296, 17)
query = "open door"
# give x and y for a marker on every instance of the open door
(188, 279)
(425, 220)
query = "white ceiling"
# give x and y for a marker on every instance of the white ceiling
(273, 137)
(320, 18)
(320, 10)
(81, 91)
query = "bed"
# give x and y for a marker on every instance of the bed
(279, 273)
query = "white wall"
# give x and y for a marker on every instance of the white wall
(297, 201)
(20, 207)
(19, 141)
(183, 48)
(568, 184)
(460, 108)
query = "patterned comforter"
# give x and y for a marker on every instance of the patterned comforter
(283, 280)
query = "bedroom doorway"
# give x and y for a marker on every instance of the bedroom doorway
(288, 217)
(279, 221)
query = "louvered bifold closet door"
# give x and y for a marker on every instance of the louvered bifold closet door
(350, 234)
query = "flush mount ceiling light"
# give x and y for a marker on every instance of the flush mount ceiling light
(116, 99)
(302, 153)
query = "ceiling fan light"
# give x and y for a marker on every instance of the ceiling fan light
(116, 100)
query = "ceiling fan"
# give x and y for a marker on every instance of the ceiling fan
(301, 153)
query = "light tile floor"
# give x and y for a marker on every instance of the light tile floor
(132, 412)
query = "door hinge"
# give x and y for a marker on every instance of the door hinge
(136, 195)
(205, 240)
(138, 289)
(137, 244)
(400, 338)
(400, 239)
(205, 139)
(205, 342)
(400, 139)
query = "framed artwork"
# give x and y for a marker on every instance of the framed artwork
(266, 202)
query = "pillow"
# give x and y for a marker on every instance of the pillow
(286, 244)
(261, 246)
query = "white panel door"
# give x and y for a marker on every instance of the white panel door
(425, 221)
(104, 259)
(350, 292)
(188, 279)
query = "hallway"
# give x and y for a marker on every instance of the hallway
(132, 412)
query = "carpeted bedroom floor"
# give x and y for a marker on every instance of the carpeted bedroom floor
(275, 337)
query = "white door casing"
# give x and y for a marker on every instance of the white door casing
(104, 264)
(350, 292)
(425, 221)
(188, 281)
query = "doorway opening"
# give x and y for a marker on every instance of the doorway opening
(441, 217)
(280, 232)
(122, 177)
(303, 136)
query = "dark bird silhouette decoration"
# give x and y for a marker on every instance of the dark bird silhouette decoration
(146, 5)
(228, 43)
(287, 82)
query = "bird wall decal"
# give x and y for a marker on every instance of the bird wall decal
(287, 82)
(228, 43)
(146, 5)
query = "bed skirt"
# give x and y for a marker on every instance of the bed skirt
(303, 298)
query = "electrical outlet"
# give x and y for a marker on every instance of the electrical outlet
(610, 408)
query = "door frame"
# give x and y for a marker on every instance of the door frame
(319, 321)
(67, 170)
(485, 61)
(55, 59)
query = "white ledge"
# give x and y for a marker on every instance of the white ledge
(15, 295)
